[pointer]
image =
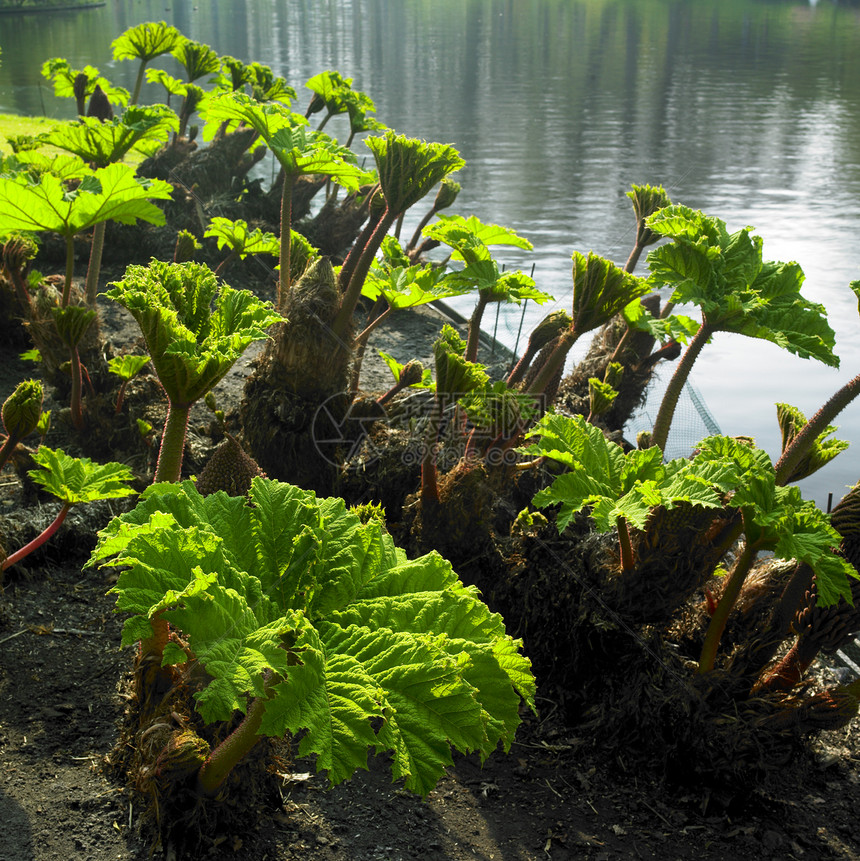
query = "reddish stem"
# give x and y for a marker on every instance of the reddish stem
(429, 484)
(475, 327)
(627, 559)
(70, 268)
(724, 608)
(169, 467)
(39, 540)
(77, 385)
(810, 432)
(286, 222)
(232, 750)
(792, 668)
(121, 396)
(21, 291)
(554, 363)
(356, 281)
(521, 366)
(357, 247)
(7, 448)
(663, 421)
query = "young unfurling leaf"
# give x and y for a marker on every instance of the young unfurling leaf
(195, 330)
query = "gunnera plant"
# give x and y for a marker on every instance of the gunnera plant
(282, 614)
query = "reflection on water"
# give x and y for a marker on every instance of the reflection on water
(747, 110)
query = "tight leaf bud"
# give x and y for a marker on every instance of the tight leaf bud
(22, 409)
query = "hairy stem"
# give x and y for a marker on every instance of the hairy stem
(77, 385)
(135, 95)
(663, 422)
(621, 346)
(475, 327)
(92, 283)
(360, 345)
(7, 448)
(382, 400)
(556, 361)
(121, 396)
(421, 225)
(627, 559)
(359, 245)
(21, 291)
(801, 444)
(792, 668)
(227, 260)
(362, 267)
(172, 443)
(521, 366)
(633, 259)
(726, 605)
(286, 221)
(39, 540)
(230, 752)
(70, 269)
(429, 484)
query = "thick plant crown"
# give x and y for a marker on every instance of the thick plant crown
(287, 595)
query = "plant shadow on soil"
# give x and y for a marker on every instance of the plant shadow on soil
(63, 679)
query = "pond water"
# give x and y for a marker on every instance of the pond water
(746, 109)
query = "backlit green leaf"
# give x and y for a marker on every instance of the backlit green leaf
(78, 479)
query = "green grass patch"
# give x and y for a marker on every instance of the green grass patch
(14, 124)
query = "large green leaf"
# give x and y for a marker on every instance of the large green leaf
(409, 286)
(408, 168)
(330, 89)
(109, 193)
(724, 274)
(454, 375)
(777, 518)
(286, 596)
(676, 327)
(236, 236)
(298, 149)
(196, 58)
(613, 483)
(600, 291)
(465, 234)
(146, 41)
(101, 142)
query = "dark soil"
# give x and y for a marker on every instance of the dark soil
(555, 795)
